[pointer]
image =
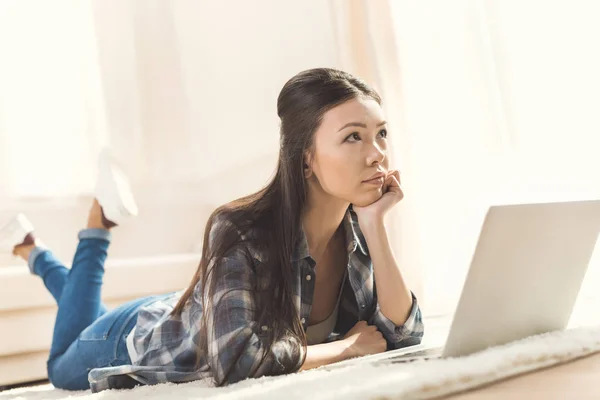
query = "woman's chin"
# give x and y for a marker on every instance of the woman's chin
(369, 199)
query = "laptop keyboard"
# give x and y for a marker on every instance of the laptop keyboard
(425, 354)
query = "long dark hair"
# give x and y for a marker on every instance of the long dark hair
(275, 211)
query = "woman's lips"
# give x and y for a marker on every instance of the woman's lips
(376, 181)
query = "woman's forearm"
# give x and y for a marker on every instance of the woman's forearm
(324, 353)
(394, 297)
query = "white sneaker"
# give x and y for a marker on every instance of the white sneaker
(13, 232)
(113, 190)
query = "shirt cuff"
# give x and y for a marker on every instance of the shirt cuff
(408, 334)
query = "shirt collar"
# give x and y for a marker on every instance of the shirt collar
(354, 238)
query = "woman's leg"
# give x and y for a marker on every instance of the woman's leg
(83, 339)
(80, 304)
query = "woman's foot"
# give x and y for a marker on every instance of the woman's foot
(97, 219)
(17, 237)
(113, 193)
(24, 249)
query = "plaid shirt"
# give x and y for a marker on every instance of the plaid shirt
(167, 346)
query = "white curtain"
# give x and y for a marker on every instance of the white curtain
(51, 114)
(491, 101)
(76, 75)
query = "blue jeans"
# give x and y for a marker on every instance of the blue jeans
(86, 334)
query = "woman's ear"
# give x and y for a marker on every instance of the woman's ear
(306, 166)
(307, 171)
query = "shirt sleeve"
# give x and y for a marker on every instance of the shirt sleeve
(397, 336)
(236, 341)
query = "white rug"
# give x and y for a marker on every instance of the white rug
(417, 380)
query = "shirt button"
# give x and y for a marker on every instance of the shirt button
(264, 328)
(303, 320)
(362, 306)
(308, 277)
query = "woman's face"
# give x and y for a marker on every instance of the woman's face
(350, 146)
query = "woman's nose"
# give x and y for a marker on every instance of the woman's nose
(376, 154)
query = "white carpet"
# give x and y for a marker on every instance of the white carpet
(417, 380)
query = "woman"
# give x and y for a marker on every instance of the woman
(287, 278)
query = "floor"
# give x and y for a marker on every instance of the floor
(575, 380)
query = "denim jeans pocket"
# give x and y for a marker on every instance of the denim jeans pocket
(101, 328)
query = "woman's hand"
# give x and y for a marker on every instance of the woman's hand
(392, 194)
(363, 339)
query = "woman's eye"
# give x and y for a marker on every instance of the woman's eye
(353, 135)
(384, 131)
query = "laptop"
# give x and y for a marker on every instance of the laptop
(524, 278)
